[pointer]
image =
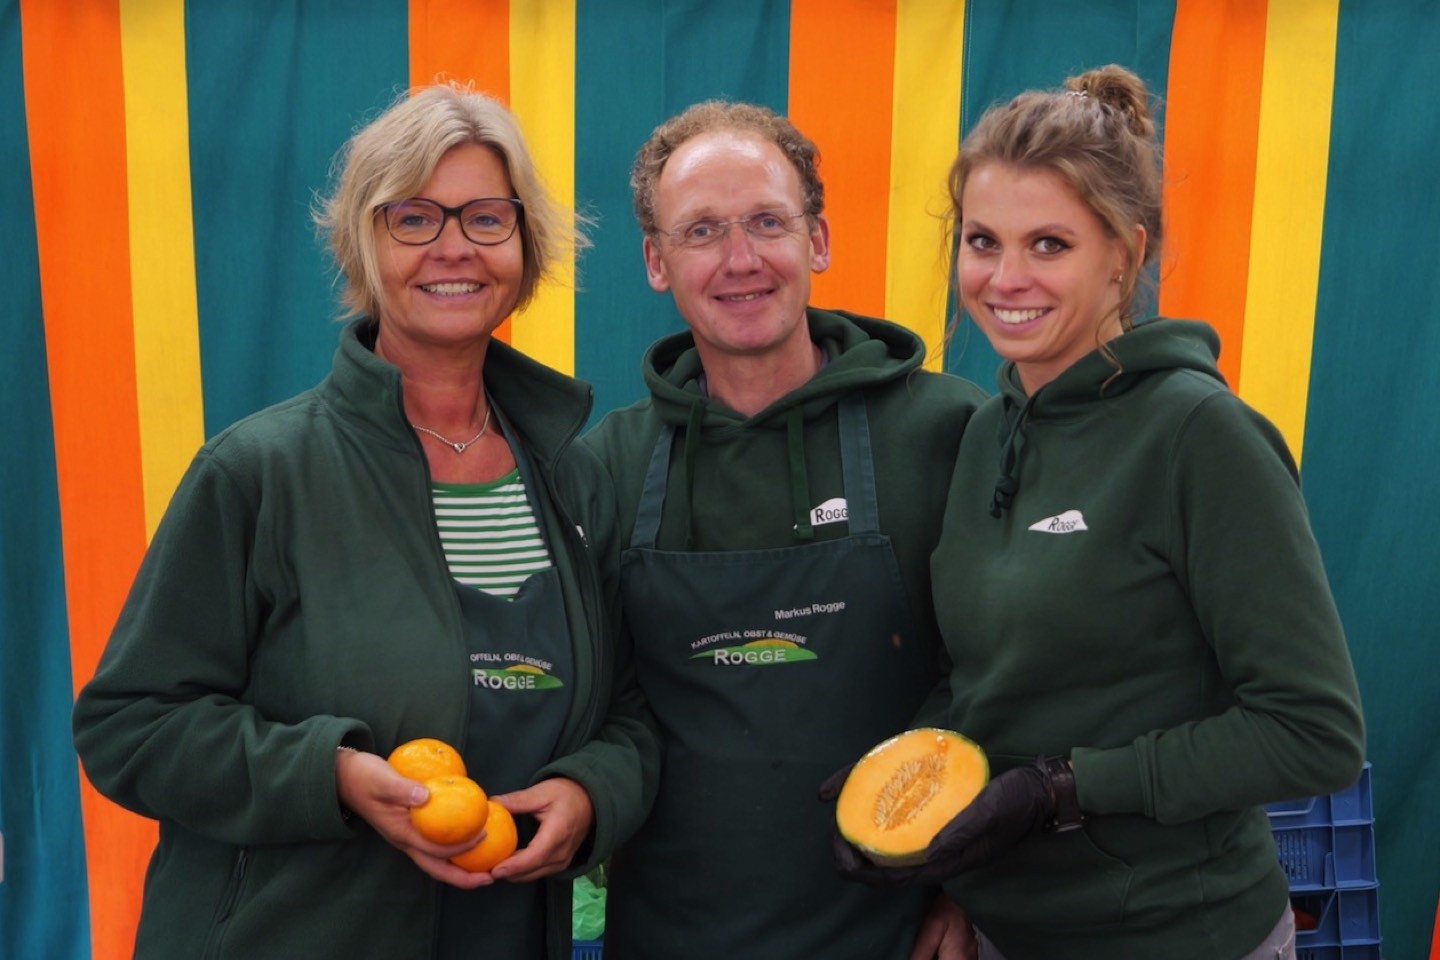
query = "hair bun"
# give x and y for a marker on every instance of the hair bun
(1119, 89)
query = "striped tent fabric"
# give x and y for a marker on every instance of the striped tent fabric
(160, 159)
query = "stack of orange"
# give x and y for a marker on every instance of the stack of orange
(457, 807)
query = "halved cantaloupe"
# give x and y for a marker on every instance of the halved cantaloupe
(904, 790)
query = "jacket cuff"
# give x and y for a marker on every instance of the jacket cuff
(1108, 781)
(598, 842)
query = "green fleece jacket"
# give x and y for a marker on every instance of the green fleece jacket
(295, 597)
(737, 484)
(1140, 590)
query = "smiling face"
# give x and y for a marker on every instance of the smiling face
(742, 296)
(1037, 270)
(450, 292)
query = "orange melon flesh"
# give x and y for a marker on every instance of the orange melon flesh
(904, 790)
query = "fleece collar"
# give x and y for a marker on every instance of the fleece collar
(545, 408)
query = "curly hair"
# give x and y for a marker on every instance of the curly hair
(707, 117)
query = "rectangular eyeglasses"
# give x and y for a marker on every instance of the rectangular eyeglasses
(486, 221)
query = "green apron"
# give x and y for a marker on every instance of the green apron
(768, 670)
(522, 672)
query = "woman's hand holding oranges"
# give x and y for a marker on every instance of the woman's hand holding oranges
(421, 801)
(565, 813)
(386, 798)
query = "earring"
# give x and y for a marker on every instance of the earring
(1119, 278)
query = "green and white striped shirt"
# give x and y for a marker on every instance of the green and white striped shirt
(489, 533)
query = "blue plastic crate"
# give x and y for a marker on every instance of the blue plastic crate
(586, 949)
(1346, 951)
(1351, 805)
(1327, 857)
(1344, 918)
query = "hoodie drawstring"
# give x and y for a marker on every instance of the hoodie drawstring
(1012, 441)
(799, 474)
(799, 477)
(692, 451)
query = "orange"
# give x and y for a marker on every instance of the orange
(455, 811)
(497, 844)
(427, 757)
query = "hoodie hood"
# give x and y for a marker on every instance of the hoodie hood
(1152, 347)
(859, 352)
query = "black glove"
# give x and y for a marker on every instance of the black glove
(1014, 805)
(830, 789)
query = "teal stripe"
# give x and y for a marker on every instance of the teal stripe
(44, 903)
(1372, 448)
(1017, 45)
(636, 64)
(273, 96)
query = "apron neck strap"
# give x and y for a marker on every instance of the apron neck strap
(856, 465)
(652, 496)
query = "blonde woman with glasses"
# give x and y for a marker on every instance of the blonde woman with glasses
(413, 548)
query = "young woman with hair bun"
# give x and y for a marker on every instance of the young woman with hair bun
(1142, 634)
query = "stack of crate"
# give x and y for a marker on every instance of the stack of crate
(1327, 847)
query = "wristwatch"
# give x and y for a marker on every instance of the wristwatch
(1061, 778)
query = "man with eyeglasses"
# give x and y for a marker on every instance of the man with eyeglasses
(780, 493)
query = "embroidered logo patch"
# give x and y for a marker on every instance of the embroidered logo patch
(834, 510)
(1071, 521)
(515, 678)
(762, 652)
(753, 648)
(512, 671)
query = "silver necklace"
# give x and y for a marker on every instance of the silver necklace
(459, 445)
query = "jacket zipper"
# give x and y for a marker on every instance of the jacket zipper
(588, 586)
(227, 905)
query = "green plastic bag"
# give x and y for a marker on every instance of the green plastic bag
(588, 921)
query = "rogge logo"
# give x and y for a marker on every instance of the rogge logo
(761, 652)
(521, 676)
(1071, 521)
(834, 510)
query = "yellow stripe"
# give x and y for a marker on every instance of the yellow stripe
(162, 254)
(542, 95)
(1292, 156)
(929, 38)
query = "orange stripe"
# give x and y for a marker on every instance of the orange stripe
(74, 99)
(842, 67)
(1217, 57)
(467, 41)
(464, 40)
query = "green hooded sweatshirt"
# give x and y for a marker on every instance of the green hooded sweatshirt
(758, 483)
(1140, 590)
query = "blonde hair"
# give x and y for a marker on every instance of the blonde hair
(394, 155)
(708, 117)
(1097, 134)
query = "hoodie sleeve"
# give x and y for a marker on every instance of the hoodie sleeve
(163, 728)
(1241, 544)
